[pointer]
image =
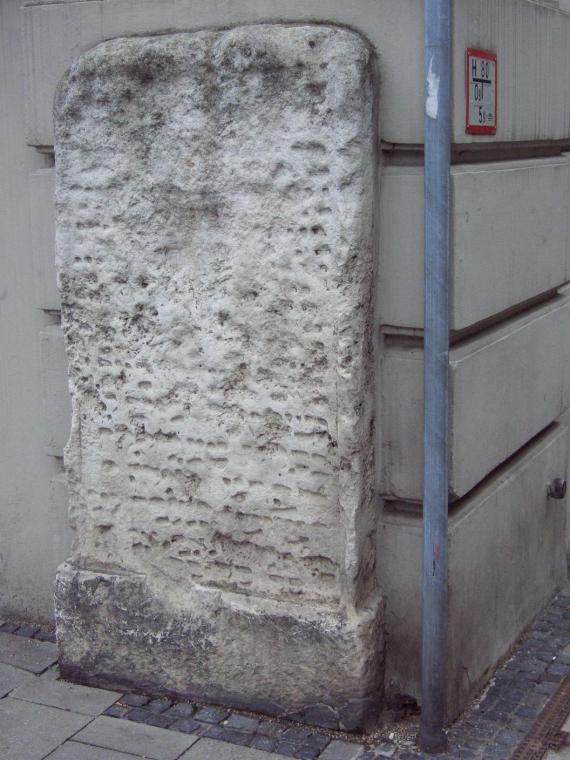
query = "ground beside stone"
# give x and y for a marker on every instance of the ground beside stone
(38, 717)
(27, 654)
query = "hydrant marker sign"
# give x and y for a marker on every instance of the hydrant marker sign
(480, 92)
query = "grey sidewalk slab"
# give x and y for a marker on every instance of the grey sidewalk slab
(11, 677)
(28, 654)
(136, 738)
(66, 696)
(31, 732)
(211, 749)
(74, 751)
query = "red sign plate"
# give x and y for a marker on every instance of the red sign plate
(480, 92)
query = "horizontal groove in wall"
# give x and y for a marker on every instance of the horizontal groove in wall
(403, 154)
(486, 326)
(502, 468)
(403, 339)
(413, 337)
(47, 151)
(53, 317)
(415, 509)
(32, 3)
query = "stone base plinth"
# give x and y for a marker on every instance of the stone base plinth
(319, 667)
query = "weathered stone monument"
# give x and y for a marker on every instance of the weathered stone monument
(215, 200)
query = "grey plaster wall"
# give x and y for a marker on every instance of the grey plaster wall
(34, 534)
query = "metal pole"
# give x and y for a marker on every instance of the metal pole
(437, 138)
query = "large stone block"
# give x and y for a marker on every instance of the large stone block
(509, 239)
(506, 385)
(215, 196)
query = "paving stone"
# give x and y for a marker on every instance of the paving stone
(74, 751)
(500, 718)
(566, 651)
(287, 749)
(186, 725)
(488, 702)
(531, 665)
(159, 719)
(497, 752)
(138, 715)
(11, 678)
(318, 741)
(28, 654)
(8, 627)
(116, 711)
(210, 749)
(296, 735)
(31, 732)
(507, 706)
(46, 636)
(552, 678)
(242, 723)
(232, 735)
(268, 728)
(384, 750)
(546, 687)
(159, 705)
(301, 752)
(538, 700)
(337, 750)
(306, 752)
(136, 738)
(27, 630)
(66, 696)
(509, 738)
(182, 710)
(211, 714)
(546, 657)
(135, 700)
(527, 711)
(522, 725)
(472, 742)
(527, 675)
(266, 743)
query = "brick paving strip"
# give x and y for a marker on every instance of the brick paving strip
(494, 728)
(547, 730)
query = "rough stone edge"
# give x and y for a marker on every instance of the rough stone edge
(113, 633)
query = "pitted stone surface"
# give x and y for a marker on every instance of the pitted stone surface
(215, 195)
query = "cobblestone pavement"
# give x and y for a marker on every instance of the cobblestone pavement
(42, 716)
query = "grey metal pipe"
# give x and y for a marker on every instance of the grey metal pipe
(437, 140)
